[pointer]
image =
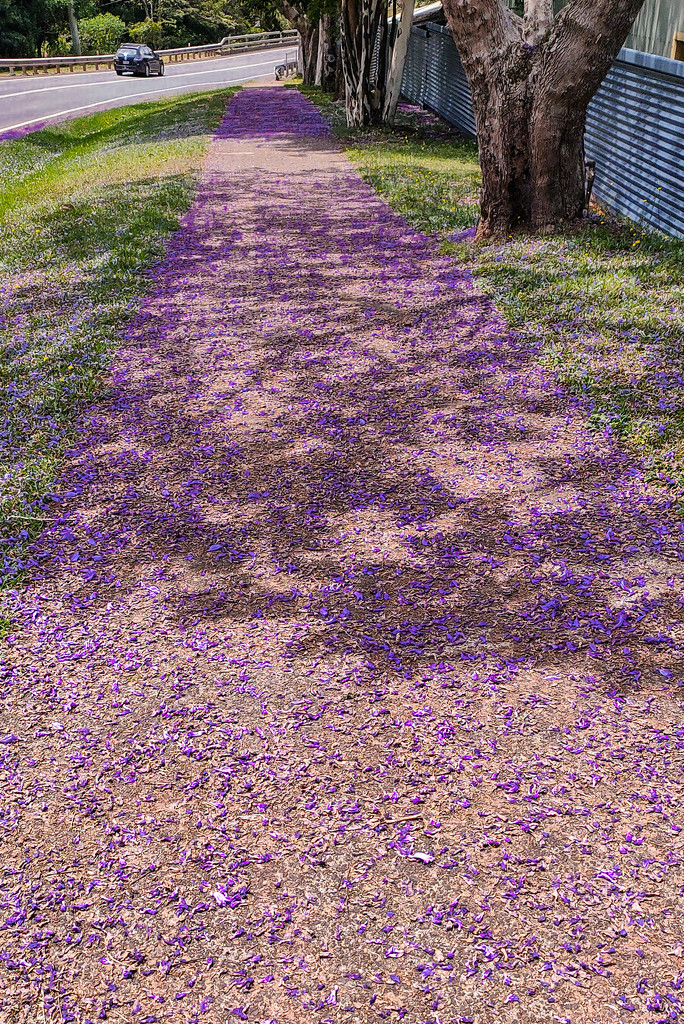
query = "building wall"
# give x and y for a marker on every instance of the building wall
(655, 27)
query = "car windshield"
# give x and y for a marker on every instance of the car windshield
(128, 49)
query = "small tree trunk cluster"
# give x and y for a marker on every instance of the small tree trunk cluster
(328, 53)
(364, 59)
(298, 17)
(308, 33)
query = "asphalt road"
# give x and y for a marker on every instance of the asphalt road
(25, 101)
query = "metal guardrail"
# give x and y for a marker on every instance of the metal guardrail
(288, 67)
(228, 45)
(635, 124)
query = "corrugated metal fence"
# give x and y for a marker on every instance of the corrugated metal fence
(635, 124)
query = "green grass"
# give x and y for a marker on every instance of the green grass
(86, 207)
(604, 302)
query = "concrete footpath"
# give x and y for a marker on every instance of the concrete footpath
(348, 684)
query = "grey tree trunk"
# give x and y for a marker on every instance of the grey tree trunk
(73, 28)
(532, 80)
(320, 59)
(398, 61)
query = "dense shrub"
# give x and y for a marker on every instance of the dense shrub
(101, 34)
(147, 31)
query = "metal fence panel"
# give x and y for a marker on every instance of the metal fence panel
(414, 70)
(434, 76)
(635, 132)
(635, 124)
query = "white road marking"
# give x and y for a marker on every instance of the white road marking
(186, 74)
(102, 103)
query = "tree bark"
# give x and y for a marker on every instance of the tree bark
(328, 52)
(538, 20)
(398, 61)
(73, 28)
(531, 82)
(364, 34)
(308, 34)
(320, 57)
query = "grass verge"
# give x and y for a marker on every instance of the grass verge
(86, 207)
(606, 300)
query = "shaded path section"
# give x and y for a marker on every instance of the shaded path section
(348, 681)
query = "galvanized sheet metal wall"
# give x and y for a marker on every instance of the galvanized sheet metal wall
(635, 125)
(635, 132)
(434, 76)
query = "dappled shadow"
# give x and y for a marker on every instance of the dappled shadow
(335, 643)
(320, 425)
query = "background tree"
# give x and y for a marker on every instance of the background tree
(398, 52)
(532, 79)
(329, 43)
(73, 29)
(305, 19)
(149, 32)
(364, 53)
(101, 34)
(25, 25)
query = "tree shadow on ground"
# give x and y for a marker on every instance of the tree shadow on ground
(321, 425)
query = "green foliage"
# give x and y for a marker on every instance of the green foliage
(101, 34)
(60, 47)
(149, 32)
(24, 25)
(85, 207)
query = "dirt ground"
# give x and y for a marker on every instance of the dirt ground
(348, 685)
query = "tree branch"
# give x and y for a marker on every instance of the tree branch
(481, 27)
(538, 20)
(582, 45)
(294, 15)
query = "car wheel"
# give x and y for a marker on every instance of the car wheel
(147, 71)
(119, 73)
(161, 68)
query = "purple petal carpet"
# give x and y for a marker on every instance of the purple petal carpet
(347, 686)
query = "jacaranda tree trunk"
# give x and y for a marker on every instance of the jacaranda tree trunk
(364, 34)
(298, 17)
(532, 80)
(326, 65)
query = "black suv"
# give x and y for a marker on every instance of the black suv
(139, 59)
